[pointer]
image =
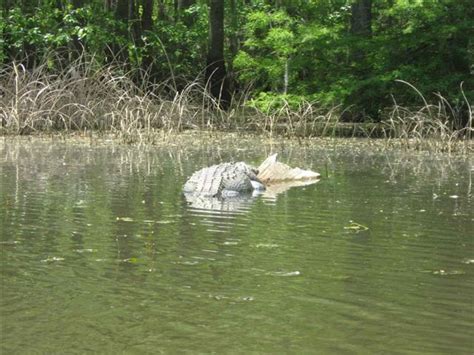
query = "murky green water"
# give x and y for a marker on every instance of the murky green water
(101, 252)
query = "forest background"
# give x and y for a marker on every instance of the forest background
(358, 55)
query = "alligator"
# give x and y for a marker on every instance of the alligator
(224, 180)
(233, 179)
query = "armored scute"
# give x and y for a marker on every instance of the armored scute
(224, 180)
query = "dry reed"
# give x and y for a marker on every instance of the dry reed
(88, 97)
(433, 127)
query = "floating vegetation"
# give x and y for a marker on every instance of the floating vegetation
(238, 299)
(189, 263)
(80, 251)
(356, 227)
(9, 242)
(266, 245)
(448, 273)
(51, 259)
(81, 204)
(131, 260)
(284, 273)
(218, 297)
(124, 219)
(164, 222)
(246, 298)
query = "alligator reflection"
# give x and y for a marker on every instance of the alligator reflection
(242, 202)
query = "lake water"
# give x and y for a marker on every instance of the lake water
(101, 252)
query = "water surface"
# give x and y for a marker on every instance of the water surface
(101, 252)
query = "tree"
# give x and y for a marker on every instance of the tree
(147, 15)
(122, 10)
(266, 52)
(216, 74)
(147, 26)
(333, 52)
(77, 3)
(361, 27)
(361, 31)
(361, 17)
(233, 42)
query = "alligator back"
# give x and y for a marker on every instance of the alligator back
(220, 179)
(237, 178)
(206, 182)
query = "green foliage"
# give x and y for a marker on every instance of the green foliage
(302, 48)
(270, 103)
(178, 47)
(269, 44)
(427, 43)
(50, 29)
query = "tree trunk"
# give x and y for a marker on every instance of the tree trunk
(233, 43)
(162, 13)
(121, 10)
(107, 5)
(60, 5)
(361, 31)
(147, 15)
(216, 75)
(175, 10)
(77, 3)
(7, 4)
(147, 25)
(122, 13)
(135, 21)
(361, 27)
(361, 17)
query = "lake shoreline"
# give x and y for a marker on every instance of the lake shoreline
(240, 139)
(102, 101)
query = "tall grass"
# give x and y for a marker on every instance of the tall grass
(434, 127)
(88, 97)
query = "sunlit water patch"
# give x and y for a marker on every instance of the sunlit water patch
(102, 252)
